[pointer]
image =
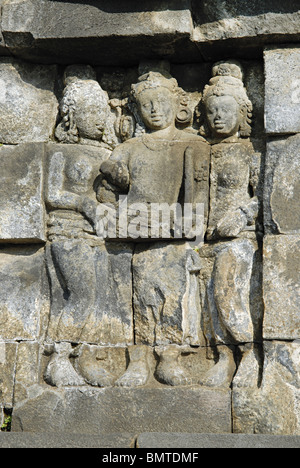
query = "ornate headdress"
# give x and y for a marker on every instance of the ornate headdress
(227, 80)
(159, 78)
(154, 80)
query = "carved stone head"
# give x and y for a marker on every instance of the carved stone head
(159, 100)
(84, 107)
(226, 107)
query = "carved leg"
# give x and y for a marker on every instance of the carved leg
(138, 371)
(74, 263)
(232, 275)
(169, 371)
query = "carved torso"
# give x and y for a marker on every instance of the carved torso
(70, 181)
(156, 167)
(230, 179)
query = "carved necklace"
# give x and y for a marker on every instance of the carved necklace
(157, 144)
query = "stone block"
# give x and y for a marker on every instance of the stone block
(7, 373)
(29, 107)
(281, 287)
(151, 440)
(62, 440)
(282, 186)
(235, 27)
(24, 304)
(28, 367)
(22, 211)
(107, 411)
(282, 68)
(273, 407)
(58, 31)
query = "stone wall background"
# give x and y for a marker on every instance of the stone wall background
(39, 38)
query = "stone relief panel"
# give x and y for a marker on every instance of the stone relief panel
(125, 293)
(150, 312)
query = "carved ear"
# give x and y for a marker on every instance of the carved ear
(184, 116)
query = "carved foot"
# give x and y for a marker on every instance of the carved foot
(138, 371)
(97, 376)
(222, 373)
(60, 372)
(248, 374)
(169, 371)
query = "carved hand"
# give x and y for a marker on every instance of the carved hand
(116, 172)
(231, 224)
(88, 207)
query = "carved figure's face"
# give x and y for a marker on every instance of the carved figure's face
(90, 117)
(158, 108)
(223, 116)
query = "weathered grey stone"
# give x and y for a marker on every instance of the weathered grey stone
(215, 10)
(27, 371)
(273, 408)
(24, 301)
(166, 365)
(281, 278)
(22, 209)
(282, 189)
(152, 440)
(28, 103)
(54, 30)
(63, 440)
(7, 373)
(282, 90)
(233, 27)
(107, 411)
(233, 317)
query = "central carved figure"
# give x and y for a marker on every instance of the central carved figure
(152, 168)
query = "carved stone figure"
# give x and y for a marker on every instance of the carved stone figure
(85, 282)
(86, 116)
(233, 213)
(152, 169)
